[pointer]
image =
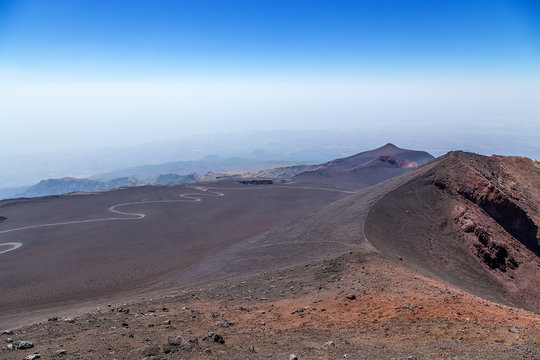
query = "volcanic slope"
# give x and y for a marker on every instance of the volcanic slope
(469, 220)
(366, 168)
(80, 247)
(90, 249)
(314, 287)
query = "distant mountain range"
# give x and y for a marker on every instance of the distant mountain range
(214, 163)
(290, 147)
(357, 171)
(69, 184)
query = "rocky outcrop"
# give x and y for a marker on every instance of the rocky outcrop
(486, 188)
(68, 185)
(257, 182)
(173, 179)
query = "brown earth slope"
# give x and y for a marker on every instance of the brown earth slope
(470, 220)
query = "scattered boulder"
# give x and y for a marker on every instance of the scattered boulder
(61, 352)
(351, 296)
(214, 337)
(33, 357)
(514, 330)
(148, 350)
(176, 343)
(7, 332)
(22, 345)
(293, 357)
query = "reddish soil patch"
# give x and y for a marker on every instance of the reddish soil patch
(395, 313)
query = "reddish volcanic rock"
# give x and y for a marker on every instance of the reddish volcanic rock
(470, 220)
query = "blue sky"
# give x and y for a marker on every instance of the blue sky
(471, 57)
(258, 39)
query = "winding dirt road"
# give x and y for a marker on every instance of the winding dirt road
(187, 197)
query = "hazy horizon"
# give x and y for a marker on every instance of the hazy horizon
(94, 74)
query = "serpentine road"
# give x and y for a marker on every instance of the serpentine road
(188, 197)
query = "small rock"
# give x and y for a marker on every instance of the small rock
(216, 314)
(167, 348)
(408, 306)
(25, 345)
(9, 340)
(514, 330)
(299, 310)
(7, 332)
(351, 296)
(148, 350)
(177, 343)
(151, 350)
(9, 347)
(214, 337)
(293, 357)
(61, 352)
(175, 340)
(33, 357)
(225, 323)
(69, 320)
(252, 349)
(167, 322)
(329, 344)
